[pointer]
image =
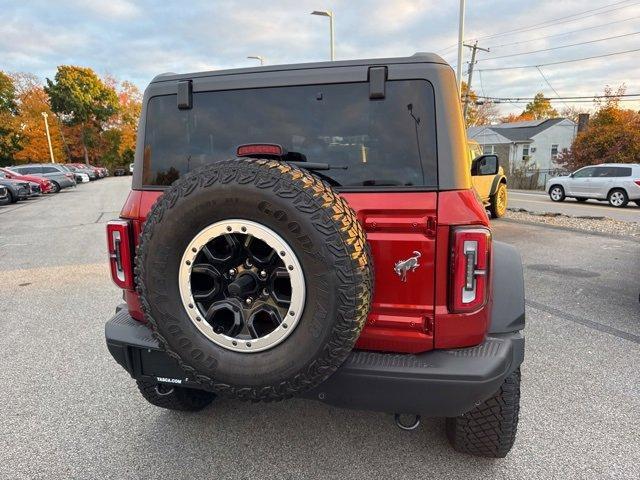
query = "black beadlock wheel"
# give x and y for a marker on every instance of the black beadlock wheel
(489, 430)
(256, 276)
(175, 398)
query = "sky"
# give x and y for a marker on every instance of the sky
(136, 40)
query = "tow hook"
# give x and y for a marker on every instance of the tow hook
(407, 426)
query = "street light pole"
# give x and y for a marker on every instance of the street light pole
(257, 57)
(328, 13)
(46, 127)
(460, 41)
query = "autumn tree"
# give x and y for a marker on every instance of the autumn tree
(478, 113)
(10, 138)
(613, 135)
(82, 100)
(540, 108)
(33, 101)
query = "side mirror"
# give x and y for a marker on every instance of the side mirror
(485, 165)
(572, 174)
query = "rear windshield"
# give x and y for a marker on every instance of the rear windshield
(388, 142)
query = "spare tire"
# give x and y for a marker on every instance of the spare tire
(255, 276)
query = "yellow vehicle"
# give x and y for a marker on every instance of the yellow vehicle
(488, 179)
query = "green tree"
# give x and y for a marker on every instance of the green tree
(540, 108)
(10, 138)
(81, 99)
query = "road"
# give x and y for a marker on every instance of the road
(534, 201)
(69, 411)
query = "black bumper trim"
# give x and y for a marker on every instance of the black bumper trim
(438, 383)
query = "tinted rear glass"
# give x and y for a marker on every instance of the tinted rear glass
(388, 142)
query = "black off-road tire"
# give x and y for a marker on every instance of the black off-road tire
(489, 430)
(498, 202)
(175, 398)
(320, 228)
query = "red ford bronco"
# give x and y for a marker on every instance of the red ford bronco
(311, 230)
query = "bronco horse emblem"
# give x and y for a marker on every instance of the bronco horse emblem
(410, 264)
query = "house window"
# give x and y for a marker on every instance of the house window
(525, 152)
(554, 151)
(488, 149)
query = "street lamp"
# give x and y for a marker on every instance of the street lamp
(46, 127)
(257, 57)
(327, 13)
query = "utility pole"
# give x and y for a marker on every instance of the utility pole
(474, 48)
(460, 41)
(46, 127)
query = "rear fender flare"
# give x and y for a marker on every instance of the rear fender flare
(507, 289)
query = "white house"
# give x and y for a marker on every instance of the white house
(533, 144)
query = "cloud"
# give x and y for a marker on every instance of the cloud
(137, 40)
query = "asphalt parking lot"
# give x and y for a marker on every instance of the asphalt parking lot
(540, 202)
(69, 411)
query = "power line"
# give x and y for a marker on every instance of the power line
(574, 97)
(550, 86)
(562, 34)
(561, 20)
(558, 63)
(559, 47)
(520, 102)
(557, 22)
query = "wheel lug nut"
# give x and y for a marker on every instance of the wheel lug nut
(263, 274)
(232, 271)
(248, 301)
(265, 292)
(248, 263)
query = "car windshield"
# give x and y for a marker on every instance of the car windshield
(379, 142)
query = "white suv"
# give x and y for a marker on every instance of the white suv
(616, 183)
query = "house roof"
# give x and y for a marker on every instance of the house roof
(524, 131)
(484, 135)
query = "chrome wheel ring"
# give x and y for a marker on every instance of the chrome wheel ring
(285, 264)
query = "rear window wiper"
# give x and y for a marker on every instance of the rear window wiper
(319, 166)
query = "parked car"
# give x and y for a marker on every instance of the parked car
(83, 168)
(58, 174)
(34, 190)
(80, 175)
(119, 172)
(488, 179)
(616, 183)
(131, 168)
(16, 189)
(4, 195)
(45, 184)
(255, 254)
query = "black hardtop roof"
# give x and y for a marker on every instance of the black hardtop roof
(420, 57)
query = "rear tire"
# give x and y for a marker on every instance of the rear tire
(618, 198)
(175, 398)
(489, 430)
(498, 204)
(556, 193)
(55, 187)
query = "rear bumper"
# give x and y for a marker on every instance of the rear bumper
(439, 383)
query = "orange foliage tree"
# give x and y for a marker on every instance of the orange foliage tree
(33, 101)
(612, 136)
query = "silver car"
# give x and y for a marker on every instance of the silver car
(617, 183)
(60, 176)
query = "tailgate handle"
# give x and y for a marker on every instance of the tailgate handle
(377, 80)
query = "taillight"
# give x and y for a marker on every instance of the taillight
(637, 182)
(120, 258)
(469, 268)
